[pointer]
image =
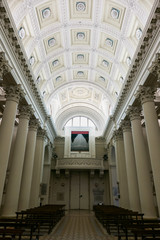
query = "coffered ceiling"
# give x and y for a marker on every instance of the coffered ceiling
(80, 51)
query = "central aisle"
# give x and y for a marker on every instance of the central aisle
(78, 225)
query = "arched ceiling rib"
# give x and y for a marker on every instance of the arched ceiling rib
(80, 51)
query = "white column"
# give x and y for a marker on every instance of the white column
(6, 130)
(142, 164)
(131, 167)
(153, 136)
(15, 173)
(121, 167)
(47, 172)
(46, 181)
(28, 166)
(37, 169)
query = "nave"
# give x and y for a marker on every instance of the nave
(78, 225)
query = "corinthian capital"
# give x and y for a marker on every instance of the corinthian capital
(134, 112)
(118, 135)
(4, 65)
(126, 125)
(14, 93)
(34, 124)
(25, 111)
(42, 133)
(146, 94)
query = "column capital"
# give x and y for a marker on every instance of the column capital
(42, 133)
(4, 65)
(34, 124)
(134, 113)
(118, 135)
(14, 93)
(126, 125)
(146, 94)
(25, 111)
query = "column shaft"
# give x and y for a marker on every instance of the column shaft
(14, 180)
(131, 169)
(153, 137)
(37, 170)
(143, 170)
(122, 175)
(28, 167)
(46, 180)
(6, 132)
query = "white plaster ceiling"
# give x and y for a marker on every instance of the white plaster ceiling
(80, 51)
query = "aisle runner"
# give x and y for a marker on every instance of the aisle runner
(77, 226)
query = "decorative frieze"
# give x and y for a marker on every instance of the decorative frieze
(79, 163)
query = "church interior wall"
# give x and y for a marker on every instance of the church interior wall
(60, 187)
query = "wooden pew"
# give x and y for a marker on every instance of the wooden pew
(46, 216)
(13, 233)
(31, 222)
(127, 223)
(29, 227)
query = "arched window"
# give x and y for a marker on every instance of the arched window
(80, 122)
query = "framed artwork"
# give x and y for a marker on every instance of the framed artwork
(80, 141)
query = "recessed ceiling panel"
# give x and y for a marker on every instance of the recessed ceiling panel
(81, 9)
(80, 58)
(80, 74)
(104, 64)
(56, 63)
(113, 13)
(101, 80)
(53, 42)
(108, 43)
(80, 36)
(59, 80)
(47, 13)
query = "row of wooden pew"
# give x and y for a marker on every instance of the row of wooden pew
(31, 223)
(127, 224)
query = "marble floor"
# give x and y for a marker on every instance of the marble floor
(78, 225)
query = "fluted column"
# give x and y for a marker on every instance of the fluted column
(121, 167)
(28, 166)
(133, 190)
(153, 135)
(13, 94)
(142, 164)
(14, 180)
(37, 168)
